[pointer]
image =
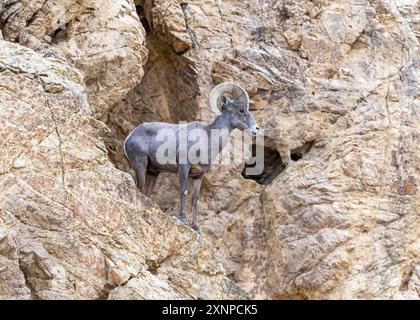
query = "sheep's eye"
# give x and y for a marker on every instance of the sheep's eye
(241, 111)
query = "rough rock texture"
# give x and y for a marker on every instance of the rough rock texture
(71, 225)
(102, 38)
(335, 85)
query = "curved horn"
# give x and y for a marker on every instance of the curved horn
(230, 89)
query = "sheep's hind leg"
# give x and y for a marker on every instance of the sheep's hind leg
(195, 196)
(150, 182)
(183, 183)
(140, 166)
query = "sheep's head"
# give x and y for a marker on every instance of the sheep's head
(230, 100)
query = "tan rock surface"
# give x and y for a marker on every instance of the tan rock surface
(71, 225)
(334, 84)
(102, 38)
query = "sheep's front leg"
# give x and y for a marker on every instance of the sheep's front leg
(195, 197)
(183, 183)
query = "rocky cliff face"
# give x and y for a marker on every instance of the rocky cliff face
(73, 226)
(334, 84)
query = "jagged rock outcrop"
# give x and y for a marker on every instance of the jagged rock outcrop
(102, 38)
(71, 225)
(335, 86)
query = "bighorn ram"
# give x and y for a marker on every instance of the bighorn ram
(231, 104)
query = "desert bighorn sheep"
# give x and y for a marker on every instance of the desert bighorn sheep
(142, 146)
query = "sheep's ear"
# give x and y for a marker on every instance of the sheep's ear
(224, 103)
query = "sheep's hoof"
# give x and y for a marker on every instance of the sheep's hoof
(197, 229)
(184, 220)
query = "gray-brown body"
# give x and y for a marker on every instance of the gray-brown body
(142, 145)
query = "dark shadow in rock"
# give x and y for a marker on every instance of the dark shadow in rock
(143, 19)
(298, 153)
(273, 166)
